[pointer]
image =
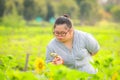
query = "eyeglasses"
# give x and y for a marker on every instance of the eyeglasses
(63, 34)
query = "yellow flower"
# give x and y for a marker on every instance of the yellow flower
(51, 78)
(114, 76)
(39, 65)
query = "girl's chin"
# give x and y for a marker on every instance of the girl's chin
(60, 39)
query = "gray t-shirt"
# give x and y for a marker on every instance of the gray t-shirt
(79, 57)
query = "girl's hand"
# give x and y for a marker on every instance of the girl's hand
(57, 60)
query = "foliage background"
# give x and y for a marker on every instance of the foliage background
(26, 29)
(83, 12)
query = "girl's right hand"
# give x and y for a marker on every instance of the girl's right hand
(57, 60)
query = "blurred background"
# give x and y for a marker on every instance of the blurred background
(36, 12)
(26, 29)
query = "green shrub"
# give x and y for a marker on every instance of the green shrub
(116, 13)
(13, 21)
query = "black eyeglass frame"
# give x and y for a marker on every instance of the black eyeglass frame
(63, 34)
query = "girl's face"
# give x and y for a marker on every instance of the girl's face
(62, 32)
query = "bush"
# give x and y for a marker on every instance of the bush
(116, 13)
(13, 21)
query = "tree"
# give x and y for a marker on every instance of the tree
(50, 12)
(116, 13)
(70, 8)
(40, 8)
(88, 11)
(19, 6)
(34, 8)
(61, 7)
(2, 8)
(28, 11)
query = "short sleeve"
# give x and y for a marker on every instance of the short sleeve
(49, 58)
(91, 44)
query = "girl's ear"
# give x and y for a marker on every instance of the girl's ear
(71, 30)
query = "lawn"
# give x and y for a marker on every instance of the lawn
(17, 43)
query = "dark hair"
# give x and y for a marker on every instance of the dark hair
(65, 19)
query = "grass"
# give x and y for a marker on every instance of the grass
(15, 43)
